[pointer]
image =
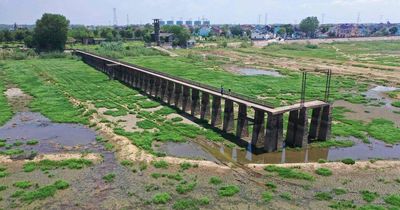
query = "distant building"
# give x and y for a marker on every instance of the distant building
(179, 22)
(162, 22)
(204, 31)
(170, 22)
(197, 22)
(91, 40)
(165, 38)
(189, 23)
(206, 22)
(256, 35)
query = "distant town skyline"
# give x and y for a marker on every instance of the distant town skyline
(100, 12)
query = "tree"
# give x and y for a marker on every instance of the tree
(182, 34)
(236, 30)
(281, 32)
(50, 33)
(289, 29)
(309, 25)
(393, 30)
(80, 32)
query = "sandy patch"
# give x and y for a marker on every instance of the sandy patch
(56, 157)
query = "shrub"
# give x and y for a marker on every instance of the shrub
(323, 172)
(286, 196)
(289, 173)
(160, 164)
(270, 185)
(369, 196)
(339, 191)
(348, 161)
(23, 184)
(185, 165)
(176, 119)
(18, 143)
(161, 198)
(228, 190)
(396, 104)
(321, 161)
(215, 180)
(3, 174)
(61, 184)
(3, 187)
(126, 163)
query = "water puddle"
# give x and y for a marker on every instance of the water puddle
(253, 71)
(52, 137)
(378, 93)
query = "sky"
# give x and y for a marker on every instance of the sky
(100, 12)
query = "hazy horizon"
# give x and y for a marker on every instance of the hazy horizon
(100, 12)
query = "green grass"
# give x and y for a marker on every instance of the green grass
(5, 109)
(396, 104)
(343, 204)
(339, 191)
(372, 207)
(160, 164)
(323, 196)
(146, 124)
(271, 185)
(18, 143)
(393, 200)
(176, 119)
(267, 196)
(23, 184)
(323, 172)
(190, 204)
(286, 196)
(185, 166)
(185, 187)
(215, 180)
(369, 196)
(161, 198)
(148, 104)
(32, 142)
(333, 143)
(3, 174)
(228, 191)
(43, 192)
(12, 152)
(109, 177)
(46, 165)
(289, 173)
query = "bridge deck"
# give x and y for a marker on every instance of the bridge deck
(249, 103)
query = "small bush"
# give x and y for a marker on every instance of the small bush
(23, 184)
(348, 161)
(323, 196)
(176, 119)
(321, 161)
(215, 180)
(286, 196)
(339, 191)
(3, 174)
(18, 143)
(185, 187)
(369, 196)
(270, 185)
(343, 205)
(160, 164)
(3, 187)
(267, 196)
(61, 184)
(32, 142)
(228, 190)
(126, 163)
(323, 172)
(185, 165)
(161, 198)
(109, 177)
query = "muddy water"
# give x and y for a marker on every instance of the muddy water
(253, 71)
(186, 150)
(52, 137)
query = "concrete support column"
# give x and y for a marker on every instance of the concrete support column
(141, 81)
(205, 106)
(152, 86)
(291, 129)
(272, 136)
(216, 111)
(195, 106)
(242, 129)
(163, 89)
(186, 104)
(157, 90)
(315, 123)
(170, 92)
(302, 129)
(178, 95)
(326, 123)
(257, 139)
(228, 116)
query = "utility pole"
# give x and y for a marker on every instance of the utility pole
(322, 18)
(127, 20)
(259, 19)
(266, 19)
(358, 18)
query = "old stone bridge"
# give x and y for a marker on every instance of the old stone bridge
(205, 102)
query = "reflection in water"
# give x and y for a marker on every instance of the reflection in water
(378, 93)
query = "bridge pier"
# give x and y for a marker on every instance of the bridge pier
(170, 92)
(195, 106)
(228, 116)
(157, 91)
(297, 133)
(242, 129)
(186, 104)
(163, 89)
(274, 133)
(257, 139)
(216, 111)
(315, 124)
(178, 95)
(205, 106)
(326, 123)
